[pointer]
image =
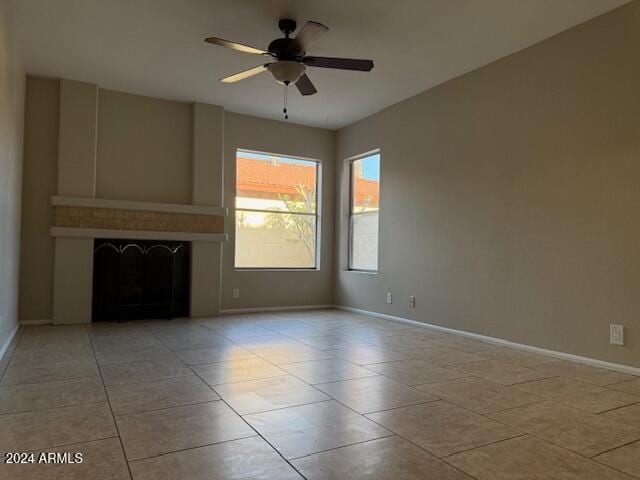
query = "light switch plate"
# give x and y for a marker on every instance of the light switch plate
(616, 334)
(236, 293)
(389, 297)
(412, 301)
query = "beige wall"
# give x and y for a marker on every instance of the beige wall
(144, 148)
(510, 196)
(11, 128)
(279, 288)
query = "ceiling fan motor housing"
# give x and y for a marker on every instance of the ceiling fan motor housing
(285, 49)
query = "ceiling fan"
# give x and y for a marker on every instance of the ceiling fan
(290, 55)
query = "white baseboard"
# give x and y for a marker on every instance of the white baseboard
(5, 346)
(285, 308)
(499, 341)
(40, 321)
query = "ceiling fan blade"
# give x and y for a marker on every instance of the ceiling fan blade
(235, 46)
(341, 63)
(236, 77)
(305, 86)
(308, 34)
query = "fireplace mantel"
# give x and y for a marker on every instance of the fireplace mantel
(82, 217)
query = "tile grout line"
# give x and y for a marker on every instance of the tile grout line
(148, 380)
(66, 445)
(592, 457)
(180, 450)
(542, 400)
(113, 417)
(633, 380)
(361, 442)
(259, 412)
(153, 410)
(447, 457)
(52, 408)
(620, 407)
(50, 381)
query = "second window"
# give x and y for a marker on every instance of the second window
(364, 206)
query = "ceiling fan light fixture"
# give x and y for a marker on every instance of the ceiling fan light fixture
(286, 72)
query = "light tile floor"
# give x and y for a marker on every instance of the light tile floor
(317, 394)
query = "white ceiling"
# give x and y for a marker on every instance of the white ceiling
(155, 48)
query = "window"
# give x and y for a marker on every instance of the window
(364, 209)
(276, 211)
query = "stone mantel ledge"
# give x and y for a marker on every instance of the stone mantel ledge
(98, 218)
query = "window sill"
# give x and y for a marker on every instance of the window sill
(366, 272)
(277, 269)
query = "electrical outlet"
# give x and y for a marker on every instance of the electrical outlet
(389, 298)
(412, 301)
(616, 334)
(236, 293)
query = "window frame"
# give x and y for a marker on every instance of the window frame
(316, 214)
(351, 213)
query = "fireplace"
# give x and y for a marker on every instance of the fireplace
(138, 279)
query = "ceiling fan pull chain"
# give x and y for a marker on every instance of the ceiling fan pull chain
(286, 116)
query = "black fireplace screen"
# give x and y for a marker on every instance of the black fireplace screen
(135, 279)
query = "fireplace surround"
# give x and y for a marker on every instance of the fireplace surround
(149, 224)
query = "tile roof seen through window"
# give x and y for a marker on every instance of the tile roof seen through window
(272, 179)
